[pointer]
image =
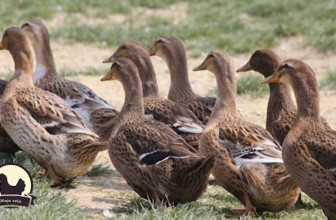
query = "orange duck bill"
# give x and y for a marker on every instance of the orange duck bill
(274, 78)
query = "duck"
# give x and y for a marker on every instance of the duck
(172, 51)
(156, 162)
(97, 113)
(309, 149)
(40, 122)
(248, 161)
(281, 109)
(182, 120)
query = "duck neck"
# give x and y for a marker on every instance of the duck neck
(24, 59)
(282, 90)
(280, 98)
(45, 65)
(179, 73)
(147, 75)
(307, 97)
(227, 89)
(133, 104)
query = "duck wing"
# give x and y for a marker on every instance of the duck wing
(154, 136)
(182, 120)
(249, 143)
(323, 148)
(51, 112)
(201, 108)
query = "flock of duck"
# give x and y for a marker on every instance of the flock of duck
(166, 148)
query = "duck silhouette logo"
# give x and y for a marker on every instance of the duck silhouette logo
(16, 186)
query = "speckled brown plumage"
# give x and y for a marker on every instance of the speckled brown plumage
(156, 162)
(170, 49)
(180, 119)
(40, 122)
(309, 149)
(248, 159)
(79, 97)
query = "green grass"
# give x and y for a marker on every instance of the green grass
(99, 170)
(329, 81)
(68, 72)
(251, 85)
(215, 204)
(235, 26)
(49, 203)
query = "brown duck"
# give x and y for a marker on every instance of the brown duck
(156, 162)
(97, 113)
(180, 119)
(40, 122)
(281, 109)
(248, 159)
(309, 149)
(172, 51)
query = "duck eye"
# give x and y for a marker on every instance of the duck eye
(284, 66)
(123, 47)
(210, 56)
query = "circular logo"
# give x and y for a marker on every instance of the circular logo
(16, 186)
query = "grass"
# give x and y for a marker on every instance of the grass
(329, 81)
(49, 204)
(99, 170)
(67, 72)
(235, 26)
(215, 204)
(251, 85)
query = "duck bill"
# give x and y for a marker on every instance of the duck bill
(245, 68)
(1, 46)
(109, 59)
(107, 77)
(271, 79)
(202, 66)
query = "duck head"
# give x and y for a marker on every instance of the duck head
(264, 61)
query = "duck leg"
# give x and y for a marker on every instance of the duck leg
(249, 208)
(49, 170)
(157, 200)
(41, 173)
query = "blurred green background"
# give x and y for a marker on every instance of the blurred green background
(236, 26)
